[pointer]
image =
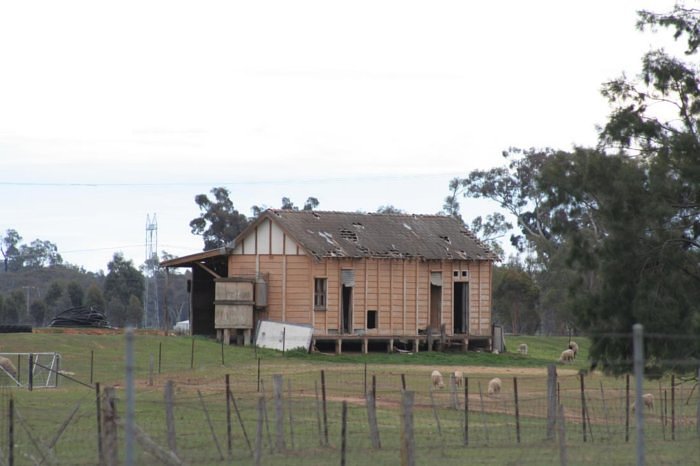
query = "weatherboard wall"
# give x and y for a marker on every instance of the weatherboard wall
(399, 290)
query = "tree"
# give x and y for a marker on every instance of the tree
(515, 299)
(40, 254)
(37, 311)
(134, 312)
(219, 223)
(14, 308)
(122, 282)
(75, 293)
(94, 298)
(9, 249)
(389, 209)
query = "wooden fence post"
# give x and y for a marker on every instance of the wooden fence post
(583, 410)
(318, 414)
(99, 423)
(517, 409)
(344, 433)
(11, 432)
(277, 385)
(289, 409)
(673, 407)
(229, 440)
(466, 411)
(325, 412)
(551, 400)
(627, 408)
(109, 428)
(170, 415)
(372, 420)
(259, 431)
(407, 441)
(563, 457)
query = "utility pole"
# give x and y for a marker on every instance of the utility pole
(26, 289)
(151, 272)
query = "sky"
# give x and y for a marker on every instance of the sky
(115, 112)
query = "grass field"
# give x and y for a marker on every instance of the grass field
(59, 425)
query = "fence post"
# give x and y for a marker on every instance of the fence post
(325, 412)
(279, 412)
(109, 428)
(258, 374)
(259, 431)
(318, 414)
(697, 409)
(517, 409)
(291, 415)
(627, 407)
(130, 399)
(673, 407)
(229, 443)
(551, 400)
(160, 352)
(407, 442)
(92, 364)
(638, 345)
(30, 376)
(170, 416)
(563, 459)
(99, 423)
(344, 433)
(192, 355)
(11, 432)
(483, 417)
(583, 409)
(466, 411)
(372, 420)
(403, 381)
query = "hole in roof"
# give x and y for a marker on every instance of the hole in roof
(445, 238)
(316, 215)
(358, 225)
(348, 235)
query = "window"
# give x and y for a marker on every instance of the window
(320, 294)
(371, 319)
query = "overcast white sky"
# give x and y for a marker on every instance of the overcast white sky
(113, 111)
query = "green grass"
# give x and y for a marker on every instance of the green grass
(492, 431)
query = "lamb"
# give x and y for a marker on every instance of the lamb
(436, 378)
(459, 377)
(573, 347)
(648, 400)
(566, 356)
(494, 386)
(8, 367)
(522, 348)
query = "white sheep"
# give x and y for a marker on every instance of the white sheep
(494, 386)
(436, 378)
(459, 377)
(648, 400)
(573, 346)
(566, 356)
(522, 348)
(8, 367)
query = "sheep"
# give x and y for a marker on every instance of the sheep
(522, 348)
(648, 400)
(436, 378)
(573, 347)
(459, 376)
(8, 367)
(566, 356)
(494, 386)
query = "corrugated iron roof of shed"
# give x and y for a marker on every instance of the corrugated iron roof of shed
(351, 234)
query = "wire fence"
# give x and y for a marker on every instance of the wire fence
(332, 415)
(357, 414)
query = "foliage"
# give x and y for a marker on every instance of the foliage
(219, 222)
(515, 297)
(75, 293)
(94, 298)
(37, 311)
(389, 209)
(122, 283)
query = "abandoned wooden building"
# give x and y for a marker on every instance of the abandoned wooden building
(356, 278)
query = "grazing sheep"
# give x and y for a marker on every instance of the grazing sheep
(566, 356)
(522, 348)
(573, 347)
(648, 400)
(436, 378)
(459, 377)
(8, 367)
(494, 386)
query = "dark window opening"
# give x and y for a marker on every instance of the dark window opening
(320, 294)
(371, 319)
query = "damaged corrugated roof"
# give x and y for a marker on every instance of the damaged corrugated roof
(358, 235)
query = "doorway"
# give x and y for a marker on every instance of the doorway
(460, 307)
(435, 306)
(346, 311)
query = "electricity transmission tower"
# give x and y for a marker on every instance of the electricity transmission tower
(151, 319)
